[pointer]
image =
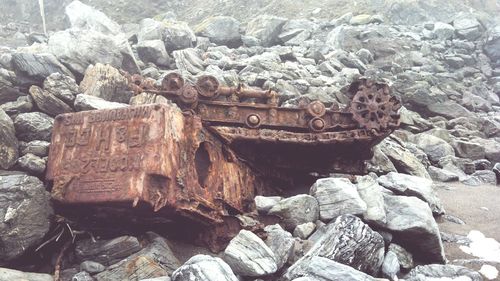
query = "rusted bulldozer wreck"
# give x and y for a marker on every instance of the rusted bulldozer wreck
(200, 161)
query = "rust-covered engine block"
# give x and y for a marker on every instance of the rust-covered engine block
(204, 157)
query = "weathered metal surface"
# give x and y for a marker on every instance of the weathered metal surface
(204, 159)
(151, 154)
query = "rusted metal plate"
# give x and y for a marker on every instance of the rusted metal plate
(151, 154)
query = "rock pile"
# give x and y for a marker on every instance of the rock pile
(446, 73)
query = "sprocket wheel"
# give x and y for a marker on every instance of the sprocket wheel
(373, 107)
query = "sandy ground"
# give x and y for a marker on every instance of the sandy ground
(478, 207)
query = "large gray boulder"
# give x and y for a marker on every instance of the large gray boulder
(402, 158)
(422, 188)
(204, 268)
(150, 29)
(106, 82)
(348, 241)
(467, 149)
(248, 255)
(189, 61)
(177, 35)
(107, 252)
(296, 31)
(266, 28)
(337, 196)
(47, 102)
(467, 26)
(77, 49)
(443, 31)
(434, 147)
(221, 30)
(33, 126)
(8, 142)
(26, 211)
(410, 221)
(7, 274)
(86, 17)
(296, 210)
(153, 51)
(34, 68)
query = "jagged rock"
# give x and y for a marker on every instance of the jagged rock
(413, 226)
(11, 275)
(448, 109)
(296, 210)
(77, 49)
(82, 276)
(264, 204)
(61, 86)
(48, 103)
(380, 164)
(432, 271)
(492, 46)
(442, 175)
(408, 185)
(204, 268)
(434, 147)
(323, 269)
(443, 31)
(405, 258)
(221, 30)
(106, 82)
(86, 17)
(390, 266)
(348, 241)
(8, 142)
(266, 28)
(248, 255)
(86, 102)
(371, 193)
(150, 29)
(107, 251)
(280, 242)
(23, 104)
(467, 26)
(32, 164)
(155, 260)
(484, 177)
(296, 31)
(33, 126)
(469, 150)
(34, 68)
(491, 148)
(153, 51)
(403, 159)
(92, 267)
(8, 92)
(188, 60)
(304, 230)
(337, 196)
(26, 211)
(177, 35)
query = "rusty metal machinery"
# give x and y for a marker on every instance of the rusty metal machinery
(203, 161)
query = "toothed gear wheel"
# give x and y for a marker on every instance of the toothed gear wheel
(373, 107)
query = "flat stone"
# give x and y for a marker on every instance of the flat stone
(204, 268)
(33, 126)
(11, 275)
(337, 196)
(402, 184)
(8, 142)
(434, 271)
(34, 68)
(469, 150)
(23, 104)
(26, 211)
(92, 267)
(107, 251)
(248, 255)
(296, 210)
(86, 102)
(36, 147)
(442, 175)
